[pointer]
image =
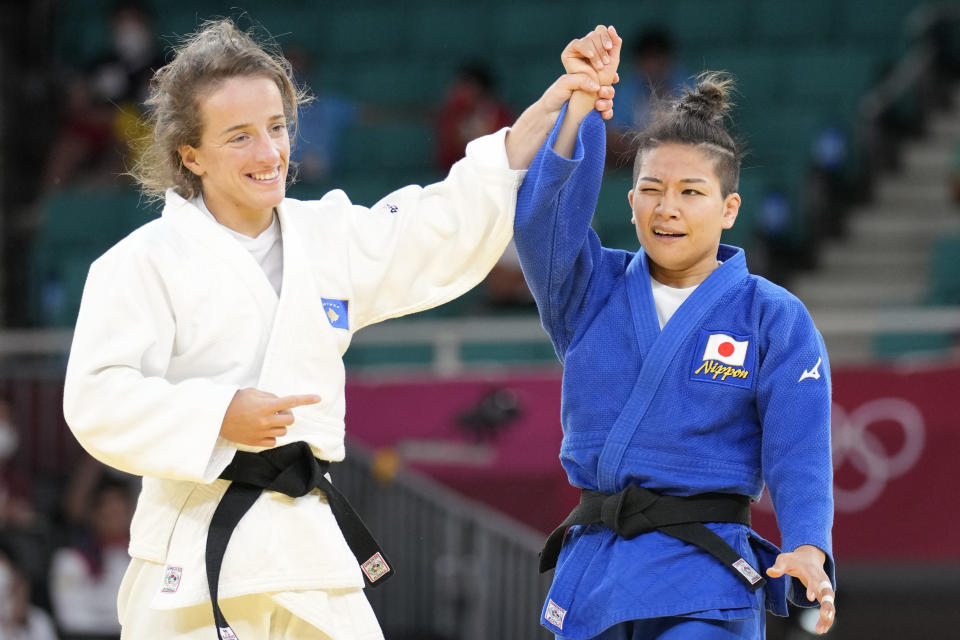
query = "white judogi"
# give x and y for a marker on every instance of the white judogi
(178, 316)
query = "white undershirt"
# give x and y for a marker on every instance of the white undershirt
(266, 248)
(668, 299)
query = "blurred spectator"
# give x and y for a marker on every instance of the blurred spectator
(19, 619)
(321, 123)
(25, 528)
(85, 145)
(651, 75)
(15, 509)
(104, 105)
(471, 109)
(122, 75)
(85, 576)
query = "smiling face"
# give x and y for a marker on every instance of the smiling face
(679, 212)
(244, 152)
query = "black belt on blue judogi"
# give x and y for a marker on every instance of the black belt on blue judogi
(291, 470)
(636, 510)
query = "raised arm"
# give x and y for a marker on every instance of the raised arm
(591, 70)
(596, 54)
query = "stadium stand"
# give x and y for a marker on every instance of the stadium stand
(801, 68)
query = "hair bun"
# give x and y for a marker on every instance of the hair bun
(709, 100)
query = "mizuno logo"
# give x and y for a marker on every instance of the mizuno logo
(813, 373)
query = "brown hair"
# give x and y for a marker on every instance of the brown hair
(217, 52)
(697, 119)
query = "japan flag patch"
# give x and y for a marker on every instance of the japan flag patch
(724, 358)
(725, 349)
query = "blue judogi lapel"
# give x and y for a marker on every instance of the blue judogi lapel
(659, 348)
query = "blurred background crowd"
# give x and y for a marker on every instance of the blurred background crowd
(850, 111)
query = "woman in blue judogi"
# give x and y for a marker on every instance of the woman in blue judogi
(688, 384)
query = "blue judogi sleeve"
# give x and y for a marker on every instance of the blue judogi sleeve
(558, 253)
(793, 403)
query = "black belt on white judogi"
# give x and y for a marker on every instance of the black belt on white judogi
(291, 470)
(636, 510)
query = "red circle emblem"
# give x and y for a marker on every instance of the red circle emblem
(725, 349)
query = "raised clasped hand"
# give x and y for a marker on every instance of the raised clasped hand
(597, 56)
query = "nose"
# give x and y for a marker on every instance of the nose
(669, 204)
(267, 149)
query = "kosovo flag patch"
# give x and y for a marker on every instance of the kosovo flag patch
(336, 312)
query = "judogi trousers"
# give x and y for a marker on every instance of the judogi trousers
(335, 614)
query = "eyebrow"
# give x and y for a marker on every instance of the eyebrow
(659, 181)
(245, 125)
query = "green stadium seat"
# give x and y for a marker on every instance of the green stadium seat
(780, 137)
(384, 81)
(699, 23)
(535, 27)
(388, 146)
(77, 226)
(945, 272)
(446, 33)
(628, 17)
(787, 23)
(757, 73)
(508, 352)
(880, 25)
(751, 189)
(611, 220)
(836, 78)
(893, 345)
(368, 31)
(523, 81)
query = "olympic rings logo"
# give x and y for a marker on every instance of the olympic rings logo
(854, 442)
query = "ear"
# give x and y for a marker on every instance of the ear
(633, 216)
(190, 159)
(731, 207)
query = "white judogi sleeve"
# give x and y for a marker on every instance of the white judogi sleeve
(422, 246)
(117, 400)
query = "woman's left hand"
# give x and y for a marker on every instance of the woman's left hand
(806, 564)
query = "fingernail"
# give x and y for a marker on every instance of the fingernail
(606, 60)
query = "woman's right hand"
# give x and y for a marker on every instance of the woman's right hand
(257, 418)
(597, 54)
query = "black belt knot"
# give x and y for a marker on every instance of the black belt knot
(624, 512)
(293, 471)
(636, 510)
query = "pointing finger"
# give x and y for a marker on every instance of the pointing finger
(289, 402)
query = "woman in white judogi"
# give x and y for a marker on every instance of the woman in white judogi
(221, 327)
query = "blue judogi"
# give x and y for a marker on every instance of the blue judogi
(733, 393)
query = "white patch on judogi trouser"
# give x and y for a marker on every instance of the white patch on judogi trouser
(334, 614)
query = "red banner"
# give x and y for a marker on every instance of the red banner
(896, 438)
